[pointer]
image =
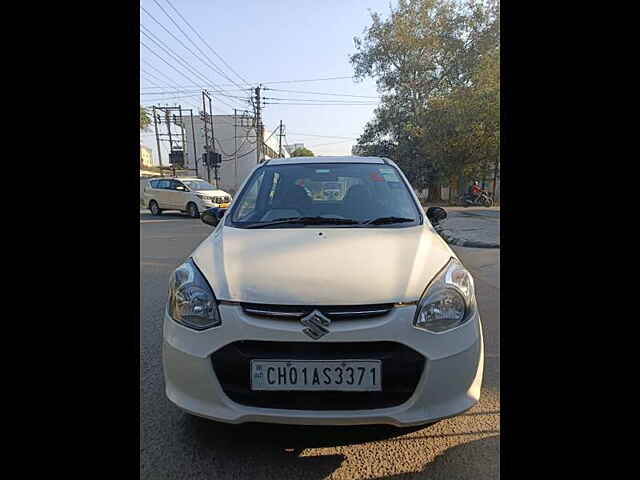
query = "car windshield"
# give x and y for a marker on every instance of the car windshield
(342, 195)
(198, 185)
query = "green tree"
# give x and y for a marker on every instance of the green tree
(436, 63)
(302, 152)
(145, 118)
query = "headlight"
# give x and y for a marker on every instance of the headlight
(448, 302)
(191, 300)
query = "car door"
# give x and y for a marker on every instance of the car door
(162, 193)
(181, 194)
(172, 195)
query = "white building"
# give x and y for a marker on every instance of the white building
(235, 139)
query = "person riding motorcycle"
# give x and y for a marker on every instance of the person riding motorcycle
(475, 190)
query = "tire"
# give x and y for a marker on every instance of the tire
(155, 210)
(487, 202)
(192, 210)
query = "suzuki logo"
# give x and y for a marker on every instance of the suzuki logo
(316, 324)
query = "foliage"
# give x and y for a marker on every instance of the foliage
(145, 118)
(302, 152)
(437, 65)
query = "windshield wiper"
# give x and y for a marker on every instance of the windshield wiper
(383, 220)
(306, 221)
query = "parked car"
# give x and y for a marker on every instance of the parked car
(189, 195)
(306, 311)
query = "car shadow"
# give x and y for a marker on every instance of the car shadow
(255, 450)
(474, 460)
(165, 215)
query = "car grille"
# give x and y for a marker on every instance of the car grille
(402, 368)
(295, 312)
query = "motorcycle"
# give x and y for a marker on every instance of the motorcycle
(483, 200)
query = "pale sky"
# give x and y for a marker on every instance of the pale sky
(265, 41)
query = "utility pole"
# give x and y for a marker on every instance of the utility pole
(206, 137)
(258, 127)
(235, 153)
(193, 136)
(184, 150)
(168, 120)
(280, 142)
(216, 166)
(155, 125)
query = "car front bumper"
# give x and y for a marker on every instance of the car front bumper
(449, 385)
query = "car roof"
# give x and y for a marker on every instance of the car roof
(341, 159)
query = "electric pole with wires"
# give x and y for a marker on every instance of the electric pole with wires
(155, 125)
(212, 158)
(259, 128)
(207, 148)
(280, 141)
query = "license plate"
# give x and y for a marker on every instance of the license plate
(318, 375)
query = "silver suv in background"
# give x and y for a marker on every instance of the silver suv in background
(189, 195)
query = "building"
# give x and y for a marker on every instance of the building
(291, 148)
(235, 140)
(146, 159)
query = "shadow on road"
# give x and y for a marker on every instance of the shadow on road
(166, 216)
(256, 450)
(474, 460)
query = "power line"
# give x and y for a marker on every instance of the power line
(175, 98)
(210, 48)
(142, 70)
(322, 136)
(317, 100)
(203, 41)
(321, 104)
(178, 58)
(214, 67)
(160, 72)
(283, 81)
(309, 80)
(177, 91)
(319, 93)
(168, 93)
(204, 86)
(151, 50)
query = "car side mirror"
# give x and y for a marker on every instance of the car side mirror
(212, 216)
(436, 214)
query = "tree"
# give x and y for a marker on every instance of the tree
(437, 65)
(145, 118)
(302, 152)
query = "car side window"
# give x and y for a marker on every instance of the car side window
(175, 184)
(154, 183)
(163, 184)
(249, 201)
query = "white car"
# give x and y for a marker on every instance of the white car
(190, 195)
(335, 312)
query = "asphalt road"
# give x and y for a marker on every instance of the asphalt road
(175, 445)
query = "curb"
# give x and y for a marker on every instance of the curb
(461, 242)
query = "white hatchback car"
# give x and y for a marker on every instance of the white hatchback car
(190, 195)
(306, 309)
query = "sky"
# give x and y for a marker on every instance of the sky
(264, 41)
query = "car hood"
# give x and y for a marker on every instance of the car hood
(321, 266)
(209, 193)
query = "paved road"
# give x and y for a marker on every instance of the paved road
(174, 445)
(475, 224)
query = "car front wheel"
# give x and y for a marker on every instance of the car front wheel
(153, 206)
(192, 209)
